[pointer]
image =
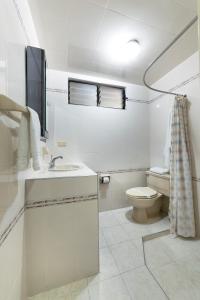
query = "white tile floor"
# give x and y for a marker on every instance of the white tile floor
(176, 266)
(172, 269)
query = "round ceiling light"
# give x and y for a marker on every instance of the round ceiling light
(131, 49)
(128, 52)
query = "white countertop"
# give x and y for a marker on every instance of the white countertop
(45, 174)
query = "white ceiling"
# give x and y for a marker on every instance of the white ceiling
(78, 33)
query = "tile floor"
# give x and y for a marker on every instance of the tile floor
(176, 266)
(165, 268)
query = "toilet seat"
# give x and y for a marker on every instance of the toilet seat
(141, 193)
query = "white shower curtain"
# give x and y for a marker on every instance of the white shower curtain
(181, 210)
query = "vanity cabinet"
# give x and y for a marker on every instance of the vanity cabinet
(61, 230)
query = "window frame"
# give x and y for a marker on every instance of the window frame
(98, 85)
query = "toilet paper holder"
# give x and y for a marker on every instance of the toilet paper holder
(104, 178)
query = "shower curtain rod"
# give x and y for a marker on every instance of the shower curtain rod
(162, 53)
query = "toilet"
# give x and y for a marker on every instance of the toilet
(146, 204)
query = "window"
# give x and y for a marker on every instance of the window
(96, 94)
(82, 93)
(111, 96)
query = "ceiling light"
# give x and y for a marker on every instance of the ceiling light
(127, 52)
(131, 49)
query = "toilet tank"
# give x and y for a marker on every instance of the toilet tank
(160, 183)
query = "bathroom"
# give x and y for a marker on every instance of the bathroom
(87, 189)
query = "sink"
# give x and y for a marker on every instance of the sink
(65, 168)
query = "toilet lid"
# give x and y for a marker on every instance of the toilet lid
(141, 192)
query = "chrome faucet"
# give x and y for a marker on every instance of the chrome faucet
(53, 159)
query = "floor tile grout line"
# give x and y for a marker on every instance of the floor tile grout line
(132, 269)
(120, 273)
(150, 272)
(125, 241)
(129, 293)
(105, 279)
(133, 239)
(124, 272)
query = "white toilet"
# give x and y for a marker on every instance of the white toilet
(146, 204)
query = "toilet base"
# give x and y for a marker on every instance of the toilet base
(148, 215)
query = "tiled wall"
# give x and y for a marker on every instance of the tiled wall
(104, 139)
(16, 30)
(112, 195)
(12, 272)
(187, 80)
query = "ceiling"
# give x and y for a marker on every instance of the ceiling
(78, 34)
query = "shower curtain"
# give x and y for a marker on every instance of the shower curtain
(181, 211)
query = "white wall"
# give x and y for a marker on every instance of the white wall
(16, 30)
(186, 76)
(104, 139)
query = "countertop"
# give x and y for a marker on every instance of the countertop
(45, 174)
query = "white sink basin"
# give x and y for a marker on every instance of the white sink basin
(66, 168)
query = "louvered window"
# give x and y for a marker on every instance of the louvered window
(96, 94)
(111, 97)
(82, 93)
